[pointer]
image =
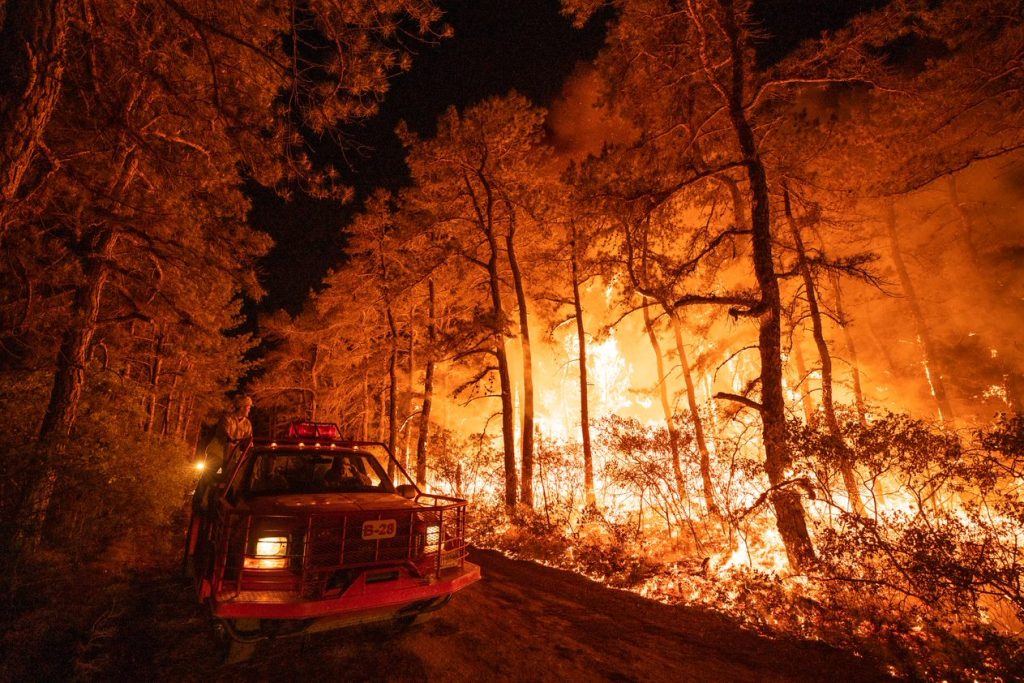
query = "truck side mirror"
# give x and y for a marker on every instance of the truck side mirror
(407, 491)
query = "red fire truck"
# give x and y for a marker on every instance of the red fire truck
(311, 532)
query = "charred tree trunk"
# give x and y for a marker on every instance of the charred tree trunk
(187, 422)
(165, 427)
(666, 406)
(581, 335)
(932, 374)
(966, 227)
(180, 426)
(32, 56)
(428, 390)
(695, 418)
(526, 441)
(789, 509)
(314, 384)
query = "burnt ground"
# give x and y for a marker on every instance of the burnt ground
(522, 622)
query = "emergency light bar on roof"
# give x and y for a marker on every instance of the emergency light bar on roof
(313, 430)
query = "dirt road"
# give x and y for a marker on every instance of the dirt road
(522, 622)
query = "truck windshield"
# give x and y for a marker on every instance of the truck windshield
(295, 471)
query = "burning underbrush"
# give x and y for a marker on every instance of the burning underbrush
(927, 578)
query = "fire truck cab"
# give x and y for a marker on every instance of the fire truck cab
(310, 532)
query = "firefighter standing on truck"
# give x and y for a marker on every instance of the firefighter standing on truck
(234, 427)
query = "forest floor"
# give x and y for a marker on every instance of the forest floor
(522, 622)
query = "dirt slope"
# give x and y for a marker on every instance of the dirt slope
(523, 622)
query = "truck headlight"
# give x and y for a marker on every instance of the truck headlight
(432, 539)
(271, 553)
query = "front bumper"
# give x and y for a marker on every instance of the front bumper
(362, 596)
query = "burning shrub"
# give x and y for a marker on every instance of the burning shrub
(464, 468)
(1004, 441)
(639, 466)
(928, 580)
(934, 574)
(559, 481)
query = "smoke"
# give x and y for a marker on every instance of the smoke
(961, 240)
(579, 124)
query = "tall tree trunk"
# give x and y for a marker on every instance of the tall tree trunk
(507, 422)
(825, 357)
(364, 432)
(69, 377)
(851, 350)
(485, 216)
(789, 511)
(505, 382)
(695, 418)
(666, 406)
(581, 335)
(154, 383)
(924, 334)
(428, 389)
(179, 417)
(392, 392)
(32, 57)
(65, 394)
(526, 441)
(314, 384)
(165, 426)
(382, 410)
(803, 384)
(410, 390)
(189, 407)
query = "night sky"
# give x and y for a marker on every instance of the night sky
(499, 45)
